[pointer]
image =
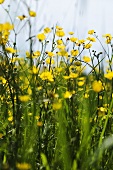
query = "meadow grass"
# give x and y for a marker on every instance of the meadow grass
(53, 114)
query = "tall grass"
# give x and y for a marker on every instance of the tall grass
(54, 115)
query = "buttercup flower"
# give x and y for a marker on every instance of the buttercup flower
(74, 52)
(47, 30)
(91, 32)
(41, 37)
(32, 14)
(97, 86)
(60, 33)
(2, 1)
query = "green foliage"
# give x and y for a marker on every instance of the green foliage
(54, 116)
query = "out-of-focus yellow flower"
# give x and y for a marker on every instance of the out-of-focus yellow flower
(36, 54)
(73, 39)
(23, 166)
(87, 46)
(74, 52)
(41, 37)
(22, 17)
(73, 75)
(39, 88)
(2, 1)
(60, 33)
(32, 13)
(59, 42)
(81, 41)
(46, 75)
(4, 81)
(86, 59)
(7, 26)
(63, 53)
(10, 118)
(61, 47)
(66, 77)
(50, 54)
(59, 28)
(39, 123)
(109, 75)
(91, 39)
(48, 61)
(97, 86)
(27, 54)
(71, 33)
(108, 38)
(24, 98)
(10, 50)
(57, 105)
(77, 63)
(86, 95)
(67, 94)
(101, 111)
(34, 70)
(80, 83)
(91, 32)
(29, 91)
(47, 30)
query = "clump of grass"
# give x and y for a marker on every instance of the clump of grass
(53, 115)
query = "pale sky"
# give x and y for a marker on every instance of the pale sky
(73, 15)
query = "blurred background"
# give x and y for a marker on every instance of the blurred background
(78, 16)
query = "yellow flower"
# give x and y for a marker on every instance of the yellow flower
(91, 32)
(8, 26)
(86, 95)
(108, 38)
(63, 53)
(97, 86)
(59, 28)
(60, 33)
(101, 111)
(61, 47)
(48, 61)
(81, 41)
(39, 123)
(74, 52)
(32, 14)
(109, 75)
(91, 39)
(36, 54)
(3, 80)
(10, 50)
(71, 33)
(81, 83)
(86, 59)
(57, 105)
(73, 75)
(87, 46)
(47, 30)
(34, 70)
(50, 54)
(67, 94)
(24, 98)
(41, 37)
(2, 1)
(10, 118)
(73, 39)
(59, 42)
(47, 76)
(23, 166)
(22, 17)
(27, 54)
